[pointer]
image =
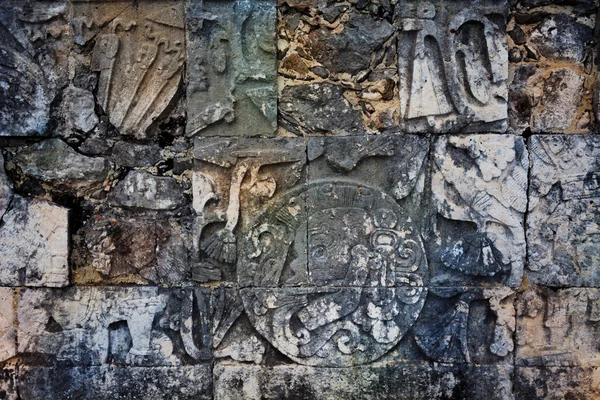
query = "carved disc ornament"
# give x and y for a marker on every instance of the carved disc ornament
(333, 273)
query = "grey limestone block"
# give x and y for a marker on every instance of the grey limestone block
(554, 383)
(116, 382)
(562, 223)
(377, 381)
(479, 191)
(453, 66)
(558, 328)
(233, 181)
(232, 75)
(145, 191)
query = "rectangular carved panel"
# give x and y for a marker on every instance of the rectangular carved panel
(453, 65)
(232, 89)
(564, 211)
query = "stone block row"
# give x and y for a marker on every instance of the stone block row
(83, 341)
(301, 68)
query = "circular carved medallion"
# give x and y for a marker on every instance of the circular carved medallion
(332, 273)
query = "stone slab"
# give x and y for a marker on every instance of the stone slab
(116, 382)
(554, 383)
(563, 224)
(134, 326)
(8, 338)
(399, 381)
(232, 71)
(34, 244)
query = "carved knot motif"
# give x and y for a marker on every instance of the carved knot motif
(333, 273)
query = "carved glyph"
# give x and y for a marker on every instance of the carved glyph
(357, 289)
(138, 55)
(232, 69)
(453, 65)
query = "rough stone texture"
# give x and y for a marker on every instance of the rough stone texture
(8, 343)
(233, 80)
(562, 225)
(479, 189)
(34, 244)
(140, 189)
(299, 199)
(54, 162)
(453, 66)
(372, 382)
(552, 51)
(116, 382)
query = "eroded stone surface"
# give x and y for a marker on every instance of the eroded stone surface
(8, 343)
(419, 381)
(479, 188)
(34, 244)
(553, 383)
(54, 162)
(562, 225)
(230, 173)
(137, 326)
(233, 89)
(116, 382)
(8, 382)
(142, 190)
(79, 109)
(139, 51)
(453, 66)
(558, 328)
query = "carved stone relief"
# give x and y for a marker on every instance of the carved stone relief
(479, 189)
(564, 211)
(232, 69)
(34, 244)
(139, 51)
(229, 173)
(453, 66)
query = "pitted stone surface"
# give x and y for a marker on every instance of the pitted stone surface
(562, 225)
(34, 244)
(233, 79)
(481, 181)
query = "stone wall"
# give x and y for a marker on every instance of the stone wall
(314, 199)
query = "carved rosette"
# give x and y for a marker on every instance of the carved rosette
(333, 273)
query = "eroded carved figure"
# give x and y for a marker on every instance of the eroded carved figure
(139, 53)
(355, 292)
(232, 69)
(453, 65)
(481, 181)
(563, 225)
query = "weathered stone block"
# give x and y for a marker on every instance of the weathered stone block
(34, 244)
(53, 161)
(137, 326)
(564, 200)
(479, 189)
(418, 381)
(8, 343)
(118, 248)
(139, 52)
(116, 382)
(232, 180)
(143, 191)
(35, 46)
(558, 328)
(232, 88)
(554, 383)
(337, 68)
(453, 66)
